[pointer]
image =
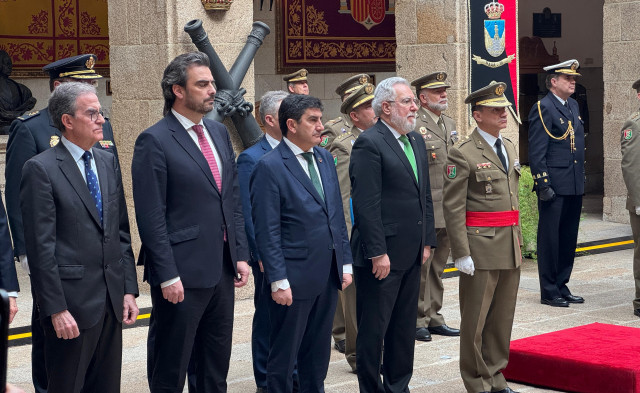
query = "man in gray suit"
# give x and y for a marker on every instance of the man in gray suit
(77, 240)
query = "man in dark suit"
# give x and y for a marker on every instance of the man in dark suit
(556, 155)
(190, 221)
(302, 240)
(393, 234)
(8, 276)
(269, 105)
(29, 135)
(76, 231)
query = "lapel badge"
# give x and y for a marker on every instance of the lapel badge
(106, 144)
(561, 121)
(54, 140)
(429, 136)
(319, 160)
(488, 188)
(627, 133)
(423, 130)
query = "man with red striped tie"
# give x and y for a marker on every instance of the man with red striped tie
(194, 246)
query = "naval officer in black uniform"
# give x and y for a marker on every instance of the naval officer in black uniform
(556, 155)
(30, 135)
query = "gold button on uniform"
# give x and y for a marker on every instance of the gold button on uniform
(489, 178)
(477, 231)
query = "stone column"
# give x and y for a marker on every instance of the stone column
(621, 39)
(432, 35)
(144, 37)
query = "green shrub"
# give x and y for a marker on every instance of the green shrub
(528, 213)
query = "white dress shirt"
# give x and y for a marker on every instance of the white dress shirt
(273, 142)
(491, 140)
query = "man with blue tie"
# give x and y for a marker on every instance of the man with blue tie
(269, 105)
(302, 240)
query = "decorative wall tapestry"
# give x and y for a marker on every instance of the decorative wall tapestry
(493, 49)
(336, 36)
(38, 32)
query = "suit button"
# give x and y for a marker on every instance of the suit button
(106, 239)
(513, 208)
(575, 162)
(477, 231)
(419, 222)
(489, 178)
(511, 192)
(330, 246)
(106, 267)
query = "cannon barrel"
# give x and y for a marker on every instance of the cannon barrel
(243, 61)
(201, 41)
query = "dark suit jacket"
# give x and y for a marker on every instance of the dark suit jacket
(74, 260)
(181, 214)
(552, 161)
(30, 135)
(8, 276)
(393, 213)
(246, 162)
(299, 235)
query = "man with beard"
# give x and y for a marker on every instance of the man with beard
(439, 133)
(393, 233)
(556, 155)
(297, 82)
(358, 108)
(189, 215)
(481, 211)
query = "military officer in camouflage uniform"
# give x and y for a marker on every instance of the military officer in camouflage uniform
(481, 213)
(439, 133)
(630, 144)
(29, 135)
(297, 82)
(340, 125)
(358, 108)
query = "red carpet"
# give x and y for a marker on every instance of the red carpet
(592, 358)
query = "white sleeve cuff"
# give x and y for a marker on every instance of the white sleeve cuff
(347, 269)
(170, 282)
(12, 294)
(280, 284)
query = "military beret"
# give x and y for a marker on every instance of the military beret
(491, 96)
(298, 76)
(636, 85)
(361, 95)
(431, 81)
(352, 83)
(77, 67)
(568, 67)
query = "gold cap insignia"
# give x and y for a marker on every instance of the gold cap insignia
(364, 79)
(368, 89)
(303, 73)
(90, 63)
(54, 140)
(440, 77)
(423, 130)
(574, 66)
(500, 90)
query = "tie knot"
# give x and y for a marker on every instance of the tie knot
(404, 140)
(308, 156)
(198, 129)
(498, 143)
(87, 156)
(440, 121)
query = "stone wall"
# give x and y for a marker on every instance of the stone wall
(621, 42)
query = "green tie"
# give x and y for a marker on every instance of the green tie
(315, 179)
(408, 151)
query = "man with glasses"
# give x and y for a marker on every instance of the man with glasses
(29, 135)
(556, 155)
(76, 231)
(393, 234)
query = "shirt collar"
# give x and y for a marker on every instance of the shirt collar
(559, 99)
(75, 150)
(435, 117)
(491, 140)
(186, 123)
(395, 133)
(273, 142)
(294, 148)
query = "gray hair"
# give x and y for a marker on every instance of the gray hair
(270, 102)
(385, 92)
(176, 74)
(547, 81)
(63, 100)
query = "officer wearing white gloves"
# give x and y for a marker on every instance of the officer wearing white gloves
(481, 214)
(630, 145)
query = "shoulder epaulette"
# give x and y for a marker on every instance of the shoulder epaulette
(28, 115)
(635, 116)
(462, 141)
(342, 136)
(334, 121)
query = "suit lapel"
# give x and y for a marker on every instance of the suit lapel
(293, 165)
(395, 146)
(183, 138)
(511, 153)
(433, 126)
(264, 143)
(71, 171)
(561, 108)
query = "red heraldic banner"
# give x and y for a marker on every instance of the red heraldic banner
(493, 46)
(334, 36)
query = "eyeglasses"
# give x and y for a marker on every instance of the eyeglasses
(93, 114)
(406, 101)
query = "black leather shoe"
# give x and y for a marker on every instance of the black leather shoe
(636, 312)
(506, 390)
(444, 330)
(339, 345)
(573, 299)
(261, 390)
(422, 334)
(555, 302)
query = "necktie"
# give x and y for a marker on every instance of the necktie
(566, 105)
(408, 151)
(315, 179)
(92, 183)
(441, 125)
(208, 155)
(503, 160)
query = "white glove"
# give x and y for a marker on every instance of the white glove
(637, 210)
(24, 263)
(465, 265)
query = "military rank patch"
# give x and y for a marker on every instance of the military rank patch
(627, 133)
(324, 141)
(54, 140)
(451, 171)
(335, 160)
(106, 144)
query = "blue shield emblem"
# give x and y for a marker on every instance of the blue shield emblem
(494, 37)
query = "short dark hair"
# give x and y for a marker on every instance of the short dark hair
(547, 81)
(176, 74)
(63, 100)
(294, 106)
